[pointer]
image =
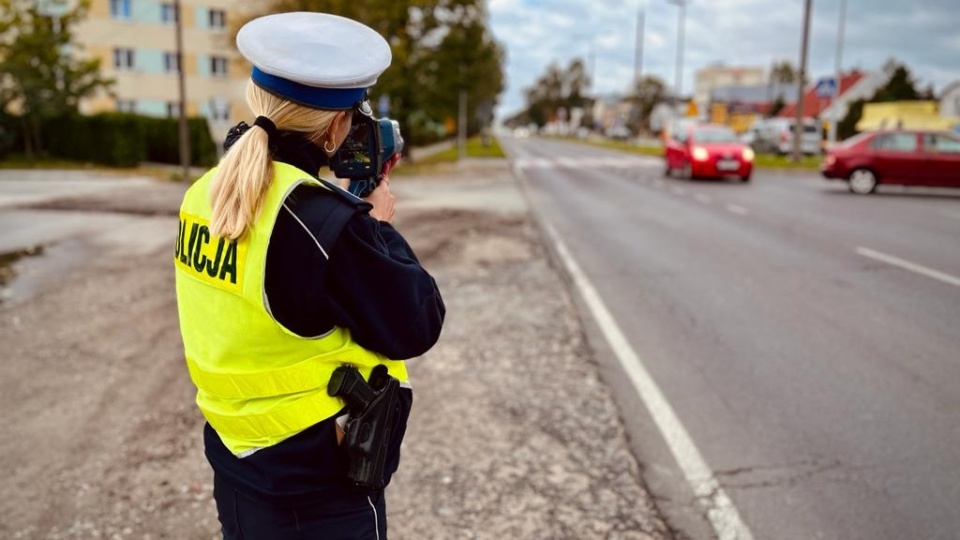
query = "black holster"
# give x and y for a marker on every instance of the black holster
(373, 408)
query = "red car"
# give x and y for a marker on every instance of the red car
(911, 158)
(708, 151)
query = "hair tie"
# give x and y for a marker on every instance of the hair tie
(267, 125)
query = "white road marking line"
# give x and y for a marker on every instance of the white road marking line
(723, 515)
(721, 512)
(705, 199)
(739, 210)
(678, 191)
(907, 265)
(544, 163)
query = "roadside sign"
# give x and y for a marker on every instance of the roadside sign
(826, 87)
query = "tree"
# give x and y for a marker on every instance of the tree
(783, 72)
(439, 47)
(777, 106)
(900, 85)
(647, 93)
(557, 88)
(466, 60)
(39, 76)
(847, 127)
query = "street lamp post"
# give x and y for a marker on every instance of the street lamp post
(638, 50)
(681, 23)
(182, 127)
(798, 127)
(839, 69)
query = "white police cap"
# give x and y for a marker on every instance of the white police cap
(315, 59)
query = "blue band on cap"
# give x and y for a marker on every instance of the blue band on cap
(311, 96)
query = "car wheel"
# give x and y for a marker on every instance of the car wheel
(745, 178)
(862, 182)
(668, 171)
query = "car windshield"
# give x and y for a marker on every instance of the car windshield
(714, 136)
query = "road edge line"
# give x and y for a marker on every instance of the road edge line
(720, 510)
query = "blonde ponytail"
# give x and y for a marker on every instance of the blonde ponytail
(245, 172)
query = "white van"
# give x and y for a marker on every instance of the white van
(775, 136)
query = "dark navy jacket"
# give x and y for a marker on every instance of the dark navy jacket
(372, 284)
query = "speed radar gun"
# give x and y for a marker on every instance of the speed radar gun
(373, 408)
(369, 145)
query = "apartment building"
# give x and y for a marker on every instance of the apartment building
(136, 43)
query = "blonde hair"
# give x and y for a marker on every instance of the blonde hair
(244, 174)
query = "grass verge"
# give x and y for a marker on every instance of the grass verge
(474, 149)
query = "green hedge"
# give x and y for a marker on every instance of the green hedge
(125, 140)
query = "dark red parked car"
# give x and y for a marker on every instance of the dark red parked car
(707, 151)
(910, 158)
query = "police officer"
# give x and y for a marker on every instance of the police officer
(283, 277)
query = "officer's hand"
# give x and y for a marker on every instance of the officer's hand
(382, 201)
(390, 165)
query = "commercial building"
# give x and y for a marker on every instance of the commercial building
(135, 41)
(718, 75)
(740, 106)
(950, 100)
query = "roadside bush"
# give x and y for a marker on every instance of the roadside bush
(9, 134)
(125, 140)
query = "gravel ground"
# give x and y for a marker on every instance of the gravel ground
(513, 434)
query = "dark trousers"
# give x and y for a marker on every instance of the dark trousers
(353, 516)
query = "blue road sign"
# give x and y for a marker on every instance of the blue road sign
(826, 87)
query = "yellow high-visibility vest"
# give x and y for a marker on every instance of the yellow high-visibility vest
(257, 382)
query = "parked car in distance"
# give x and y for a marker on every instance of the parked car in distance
(910, 158)
(707, 151)
(775, 136)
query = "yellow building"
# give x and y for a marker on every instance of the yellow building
(906, 115)
(136, 43)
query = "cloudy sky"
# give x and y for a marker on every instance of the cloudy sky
(924, 34)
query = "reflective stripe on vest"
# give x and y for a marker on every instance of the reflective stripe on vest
(258, 383)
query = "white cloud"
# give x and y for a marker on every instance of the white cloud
(921, 33)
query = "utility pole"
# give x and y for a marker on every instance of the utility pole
(798, 127)
(182, 84)
(462, 120)
(593, 66)
(681, 23)
(638, 51)
(839, 69)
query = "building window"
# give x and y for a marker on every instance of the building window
(170, 62)
(126, 105)
(218, 66)
(120, 9)
(219, 110)
(123, 59)
(173, 109)
(168, 13)
(217, 19)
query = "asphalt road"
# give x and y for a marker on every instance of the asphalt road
(807, 339)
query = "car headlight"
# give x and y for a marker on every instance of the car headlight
(748, 154)
(700, 153)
